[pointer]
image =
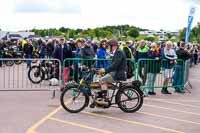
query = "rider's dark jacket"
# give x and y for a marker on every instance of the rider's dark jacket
(118, 65)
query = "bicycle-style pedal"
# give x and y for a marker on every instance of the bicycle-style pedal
(92, 105)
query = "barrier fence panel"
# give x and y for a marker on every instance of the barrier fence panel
(156, 73)
(153, 73)
(17, 76)
(51, 74)
(186, 75)
(74, 68)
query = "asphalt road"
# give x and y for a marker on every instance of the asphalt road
(36, 112)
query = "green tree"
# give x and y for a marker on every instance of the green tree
(169, 36)
(102, 32)
(152, 39)
(133, 33)
(64, 30)
(182, 34)
(72, 33)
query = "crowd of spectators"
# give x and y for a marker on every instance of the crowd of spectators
(62, 49)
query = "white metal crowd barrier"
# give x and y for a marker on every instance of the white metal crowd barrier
(41, 75)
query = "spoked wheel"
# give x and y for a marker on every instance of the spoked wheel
(48, 73)
(9, 63)
(18, 60)
(35, 74)
(73, 99)
(129, 99)
(35, 56)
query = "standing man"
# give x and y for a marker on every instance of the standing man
(28, 50)
(87, 52)
(58, 54)
(195, 54)
(50, 48)
(130, 45)
(43, 49)
(63, 51)
(142, 53)
(178, 77)
(129, 57)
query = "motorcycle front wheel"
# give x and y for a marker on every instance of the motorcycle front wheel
(73, 99)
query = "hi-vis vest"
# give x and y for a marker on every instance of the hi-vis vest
(130, 51)
(24, 42)
(143, 50)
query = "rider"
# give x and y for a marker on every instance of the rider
(116, 71)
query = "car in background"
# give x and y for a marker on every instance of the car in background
(14, 37)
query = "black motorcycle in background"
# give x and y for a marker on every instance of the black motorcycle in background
(12, 53)
(45, 70)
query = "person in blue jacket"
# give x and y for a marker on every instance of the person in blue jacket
(78, 48)
(102, 54)
(77, 54)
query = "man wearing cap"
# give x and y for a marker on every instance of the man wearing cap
(63, 51)
(116, 71)
(129, 56)
(128, 51)
(87, 52)
(130, 45)
(178, 80)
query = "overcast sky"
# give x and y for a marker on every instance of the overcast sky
(150, 14)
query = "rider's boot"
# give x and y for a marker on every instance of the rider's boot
(101, 98)
(98, 95)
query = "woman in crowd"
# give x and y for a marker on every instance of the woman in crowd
(153, 67)
(169, 56)
(77, 54)
(102, 54)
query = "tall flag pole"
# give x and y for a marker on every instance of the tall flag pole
(190, 20)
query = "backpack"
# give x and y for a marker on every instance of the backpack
(129, 69)
(130, 63)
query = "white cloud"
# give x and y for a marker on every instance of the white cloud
(38, 6)
(151, 14)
